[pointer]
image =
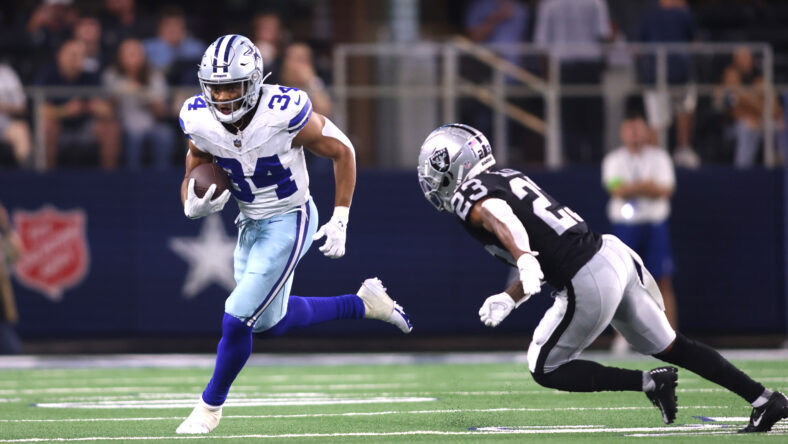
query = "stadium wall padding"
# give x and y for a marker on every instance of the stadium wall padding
(727, 229)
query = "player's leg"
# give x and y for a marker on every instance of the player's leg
(370, 301)
(641, 320)
(768, 407)
(265, 257)
(578, 316)
(633, 235)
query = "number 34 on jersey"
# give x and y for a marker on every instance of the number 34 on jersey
(268, 173)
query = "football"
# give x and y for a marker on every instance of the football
(207, 174)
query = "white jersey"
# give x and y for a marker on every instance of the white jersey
(652, 163)
(268, 174)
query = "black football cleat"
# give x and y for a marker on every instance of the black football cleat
(764, 417)
(664, 394)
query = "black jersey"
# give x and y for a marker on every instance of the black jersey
(561, 237)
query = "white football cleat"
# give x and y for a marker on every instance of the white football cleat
(203, 419)
(378, 305)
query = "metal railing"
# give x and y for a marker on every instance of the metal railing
(510, 81)
(445, 87)
(40, 94)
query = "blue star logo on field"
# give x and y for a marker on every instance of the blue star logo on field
(209, 255)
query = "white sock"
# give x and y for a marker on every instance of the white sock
(648, 382)
(212, 408)
(762, 399)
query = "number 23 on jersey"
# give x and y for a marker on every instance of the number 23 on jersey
(558, 217)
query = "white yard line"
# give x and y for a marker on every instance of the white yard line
(326, 359)
(640, 431)
(258, 359)
(261, 379)
(80, 390)
(155, 393)
(380, 413)
(249, 402)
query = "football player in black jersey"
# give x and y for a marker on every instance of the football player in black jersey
(599, 281)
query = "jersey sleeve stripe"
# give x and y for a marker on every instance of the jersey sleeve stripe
(300, 120)
(297, 119)
(183, 127)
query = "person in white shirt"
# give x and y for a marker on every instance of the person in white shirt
(641, 180)
(14, 129)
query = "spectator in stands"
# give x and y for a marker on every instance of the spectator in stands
(742, 96)
(14, 128)
(88, 31)
(671, 21)
(10, 249)
(493, 22)
(572, 30)
(640, 180)
(298, 70)
(76, 120)
(121, 20)
(140, 95)
(498, 21)
(173, 50)
(51, 24)
(270, 38)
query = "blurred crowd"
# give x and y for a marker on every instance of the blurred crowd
(725, 126)
(142, 61)
(143, 67)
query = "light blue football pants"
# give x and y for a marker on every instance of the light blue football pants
(266, 256)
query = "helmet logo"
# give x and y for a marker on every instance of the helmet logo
(439, 160)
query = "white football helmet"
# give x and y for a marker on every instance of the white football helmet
(449, 156)
(231, 58)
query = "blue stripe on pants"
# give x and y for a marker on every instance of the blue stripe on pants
(266, 255)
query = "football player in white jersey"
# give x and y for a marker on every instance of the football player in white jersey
(599, 281)
(257, 133)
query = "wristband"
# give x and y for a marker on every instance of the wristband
(341, 213)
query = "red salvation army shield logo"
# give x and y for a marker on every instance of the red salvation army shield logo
(56, 250)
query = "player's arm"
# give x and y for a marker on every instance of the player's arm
(497, 217)
(324, 139)
(196, 207)
(194, 157)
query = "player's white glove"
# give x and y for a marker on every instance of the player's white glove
(496, 308)
(196, 207)
(335, 232)
(530, 273)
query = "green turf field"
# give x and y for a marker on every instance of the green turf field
(419, 400)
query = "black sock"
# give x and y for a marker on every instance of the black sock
(708, 363)
(589, 376)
